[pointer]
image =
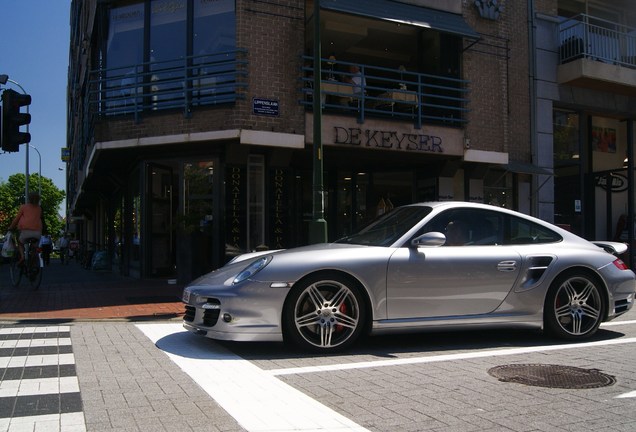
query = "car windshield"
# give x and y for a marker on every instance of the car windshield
(388, 228)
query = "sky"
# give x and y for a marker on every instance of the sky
(34, 51)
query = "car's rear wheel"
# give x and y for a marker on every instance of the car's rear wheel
(324, 313)
(574, 306)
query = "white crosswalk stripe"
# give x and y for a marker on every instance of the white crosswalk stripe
(17, 343)
(39, 389)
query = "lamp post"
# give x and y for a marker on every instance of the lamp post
(3, 80)
(39, 171)
(318, 225)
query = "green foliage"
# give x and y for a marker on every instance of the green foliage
(12, 196)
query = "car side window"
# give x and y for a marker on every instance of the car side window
(522, 232)
(468, 227)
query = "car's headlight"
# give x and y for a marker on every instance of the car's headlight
(252, 269)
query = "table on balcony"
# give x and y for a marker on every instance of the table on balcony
(401, 98)
(335, 89)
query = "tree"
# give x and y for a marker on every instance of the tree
(12, 196)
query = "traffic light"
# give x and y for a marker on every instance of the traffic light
(12, 119)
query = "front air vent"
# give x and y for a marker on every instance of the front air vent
(190, 312)
(211, 312)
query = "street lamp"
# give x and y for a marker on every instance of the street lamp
(40, 170)
(318, 224)
(4, 78)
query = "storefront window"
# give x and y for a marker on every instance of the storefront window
(567, 182)
(135, 245)
(498, 190)
(256, 204)
(198, 182)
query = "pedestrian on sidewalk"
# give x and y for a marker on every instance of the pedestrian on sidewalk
(46, 244)
(63, 243)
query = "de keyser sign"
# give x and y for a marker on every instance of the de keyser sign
(266, 107)
(388, 139)
(381, 134)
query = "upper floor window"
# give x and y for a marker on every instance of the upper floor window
(125, 43)
(214, 27)
(160, 55)
(167, 30)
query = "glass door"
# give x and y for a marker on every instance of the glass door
(198, 226)
(161, 208)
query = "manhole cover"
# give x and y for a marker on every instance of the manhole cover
(552, 376)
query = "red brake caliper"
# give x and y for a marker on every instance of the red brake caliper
(343, 310)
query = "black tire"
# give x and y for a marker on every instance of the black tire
(324, 313)
(35, 272)
(15, 270)
(575, 306)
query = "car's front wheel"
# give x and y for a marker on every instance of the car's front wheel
(574, 306)
(324, 313)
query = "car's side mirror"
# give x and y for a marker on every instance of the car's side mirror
(433, 238)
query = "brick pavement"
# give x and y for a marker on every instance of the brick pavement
(126, 383)
(70, 292)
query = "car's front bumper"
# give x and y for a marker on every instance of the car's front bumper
(251, 313)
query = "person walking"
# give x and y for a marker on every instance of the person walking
(29, 221)
(46, 244)
(64, 248)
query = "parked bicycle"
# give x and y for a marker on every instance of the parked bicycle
(32, 266)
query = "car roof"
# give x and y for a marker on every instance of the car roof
(441, 205)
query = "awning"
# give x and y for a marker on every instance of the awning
(527, 168)
(404, 13)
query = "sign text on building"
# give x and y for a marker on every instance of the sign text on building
(390, 140)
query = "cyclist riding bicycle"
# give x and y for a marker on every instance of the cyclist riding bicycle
(29, 221)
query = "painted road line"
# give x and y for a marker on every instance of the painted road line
(447, 357)
(617, 323)
(258, 401)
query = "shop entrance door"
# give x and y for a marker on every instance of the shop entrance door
(161, 204)
(611, 209)
(200, 241)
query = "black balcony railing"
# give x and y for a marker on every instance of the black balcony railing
(585, 36)
(175, 84)
(384, 92)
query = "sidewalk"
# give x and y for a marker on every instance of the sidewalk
(70, 292)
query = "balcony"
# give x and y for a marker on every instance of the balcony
(380, 92)
(175, 84)
(597, 54)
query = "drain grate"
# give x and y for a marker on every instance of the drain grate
(552, 376)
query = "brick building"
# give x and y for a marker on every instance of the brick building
(190, 122)
(584, 107)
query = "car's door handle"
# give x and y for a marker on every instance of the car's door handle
(507, 266)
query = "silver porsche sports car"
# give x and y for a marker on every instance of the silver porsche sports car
(442, 265)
